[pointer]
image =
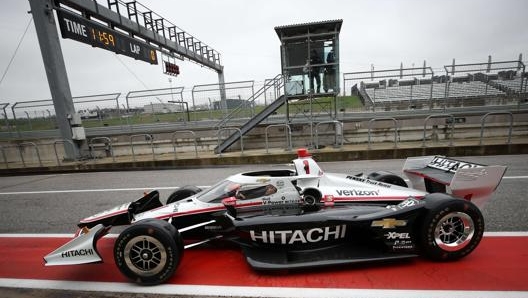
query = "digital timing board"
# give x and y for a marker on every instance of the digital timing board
(76, 27)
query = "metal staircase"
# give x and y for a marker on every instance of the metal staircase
(276, 83)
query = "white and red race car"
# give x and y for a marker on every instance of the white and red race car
(199, 215)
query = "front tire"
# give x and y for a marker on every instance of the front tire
(148, 252)
(312, 197)
(452, 230)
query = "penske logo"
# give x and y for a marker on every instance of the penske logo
(299, 236)
(389, 223)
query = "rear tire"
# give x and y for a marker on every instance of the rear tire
(183, 193)
(452, 230)
(387, 177)
(148, 252)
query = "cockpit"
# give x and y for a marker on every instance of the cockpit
(227, 188)
(253, 191)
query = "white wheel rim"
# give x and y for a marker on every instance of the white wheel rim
(145, 255)
(454, 231)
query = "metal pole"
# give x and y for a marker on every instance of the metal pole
(172, 95)
(221, 84)
(44, 19)
(5, 117)
(29, 120)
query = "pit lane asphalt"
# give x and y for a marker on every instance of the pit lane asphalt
(54, 203)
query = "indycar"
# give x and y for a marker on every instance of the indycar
(298, 218)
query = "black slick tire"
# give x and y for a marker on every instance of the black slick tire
(182, 193)
(148, 252)
(387, 177)
(451, 230)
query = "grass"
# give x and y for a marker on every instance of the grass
(318, 105)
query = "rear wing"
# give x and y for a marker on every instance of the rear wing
(466, 180)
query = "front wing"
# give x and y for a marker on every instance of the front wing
(80, 250)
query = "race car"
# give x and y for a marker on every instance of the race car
(298, 218)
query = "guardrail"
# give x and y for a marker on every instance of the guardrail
(338, 132)
(384, 119)
(31, 144)
(148, 137)
(440, 116)
(16, 155)
(55, 148)
(231, 129)
(188, 132)
(483, 121)
(109, 150)
(5, 157)
(288, 136)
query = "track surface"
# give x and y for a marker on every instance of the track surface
(54, 203)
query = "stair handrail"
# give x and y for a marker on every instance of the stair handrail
(277, 81)
(256, 119)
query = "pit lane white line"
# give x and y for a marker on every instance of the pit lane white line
(229, 291)
(91, 190)
(135, 189)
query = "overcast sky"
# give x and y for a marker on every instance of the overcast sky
(382, 33)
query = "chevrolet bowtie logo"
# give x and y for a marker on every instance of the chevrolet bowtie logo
(389, 223)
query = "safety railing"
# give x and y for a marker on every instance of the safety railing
(19, 155)
(395, 122)
(5, 157)
(184, 132)
(28, 144)
(147, 137)
(483, 122)
(439, 116)
(108, 148)
(227, 129)
(56, 151)
(288, 136)
(338, 132)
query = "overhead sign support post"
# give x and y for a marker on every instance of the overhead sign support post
(44, 19)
